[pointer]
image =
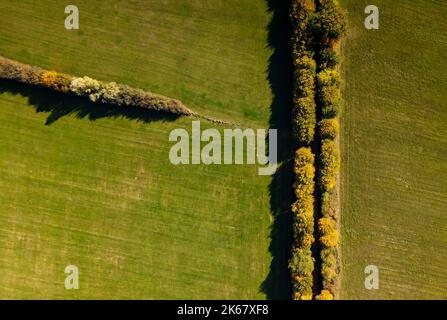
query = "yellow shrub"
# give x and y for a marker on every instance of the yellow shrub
(305, 62)
(329, 165)
(325, 295)
(329, 128)
(330, 240)
(326, 225)
(329, 274)
(304, 156)
(56, 81)
(307, 296)
(304, 206)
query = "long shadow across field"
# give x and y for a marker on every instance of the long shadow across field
(59, 105)
(277, 284)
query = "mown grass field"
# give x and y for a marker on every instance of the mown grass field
(96, 189)
(210, 54)
(394, 193)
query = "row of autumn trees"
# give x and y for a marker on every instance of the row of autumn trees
(94, 90)
(317, 27)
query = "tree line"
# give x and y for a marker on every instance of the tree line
(317, 26)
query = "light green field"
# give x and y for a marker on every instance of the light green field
(394, 194)
(210, 54)
(101, 193)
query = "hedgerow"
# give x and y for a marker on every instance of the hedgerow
(316, 24)
(304, 121)
(17, 71)
(301, 264)
(330, 27)
(304, 107)
(94, 90)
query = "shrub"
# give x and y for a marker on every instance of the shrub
(325, 295)
(302, 16)
(329, 165)
(304, 119)
(304, 83)
(330, 111)
(110, 92)
(329, 129)
(329, 204)
(326, 225)
(329, 58)
(86, 86)
(329, 98)
(328, 81)
(17, 71)
(302, 263)
(330, 240)
(328, 78)
(56, 81)
(304, 169)
(329, 266)
(305, 175)
(331, 21)
(301, 266)
(329, 235)
(304, 186)
(304, 156)
(329, 256)
(305, 61)
(303, 223)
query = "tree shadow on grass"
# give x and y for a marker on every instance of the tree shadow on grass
(277, 284)
(59, 105)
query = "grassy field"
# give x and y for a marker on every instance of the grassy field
(394, 151)
(94, 187)
(210, 54)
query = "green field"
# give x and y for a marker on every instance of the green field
(94, 187)
(210, 54)
(394, 195)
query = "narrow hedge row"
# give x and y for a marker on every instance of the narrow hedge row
(304, 106)
(94, 90)
(317, 27)
(301, 264)
(331, 28)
